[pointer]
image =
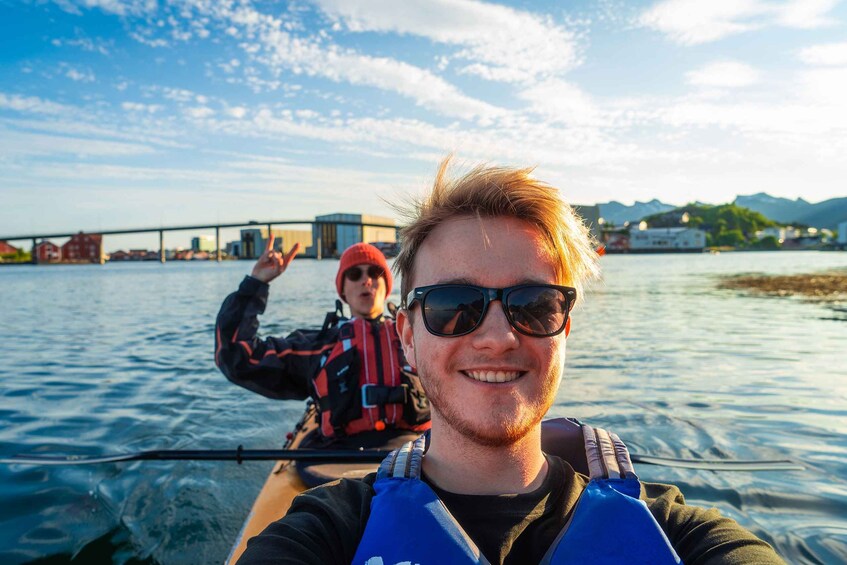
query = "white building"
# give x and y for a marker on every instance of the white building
(667, 239)
(842, 234)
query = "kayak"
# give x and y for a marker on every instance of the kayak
(290, 478)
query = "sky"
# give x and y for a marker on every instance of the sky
(151, 113)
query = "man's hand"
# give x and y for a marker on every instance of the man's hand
(272, 263)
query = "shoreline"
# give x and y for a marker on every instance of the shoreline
(825, 286)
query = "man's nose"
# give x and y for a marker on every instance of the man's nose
(494, 331)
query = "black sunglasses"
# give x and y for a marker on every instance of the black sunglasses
(452, 310)
(355, 273)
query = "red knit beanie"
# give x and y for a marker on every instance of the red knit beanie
(362, 254)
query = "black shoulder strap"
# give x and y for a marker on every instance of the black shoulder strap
(333, 318)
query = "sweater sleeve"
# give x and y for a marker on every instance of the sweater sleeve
(703, 536)
(322, 527)
(278, 368)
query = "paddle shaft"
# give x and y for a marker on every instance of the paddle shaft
(359, 456)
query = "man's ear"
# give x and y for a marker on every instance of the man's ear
(568, 326)
(407, 340)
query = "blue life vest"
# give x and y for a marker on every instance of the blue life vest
(409, 524)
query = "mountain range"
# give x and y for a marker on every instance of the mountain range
(827, 214)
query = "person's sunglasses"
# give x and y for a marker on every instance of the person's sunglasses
(355, 273)
(453, 310)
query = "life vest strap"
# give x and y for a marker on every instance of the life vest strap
(608, 457)
(376, 395)
(405, 462)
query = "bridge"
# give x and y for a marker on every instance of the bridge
(217, 227)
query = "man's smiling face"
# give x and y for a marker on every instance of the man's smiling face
(494, 384)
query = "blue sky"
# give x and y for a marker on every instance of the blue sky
(145, 113)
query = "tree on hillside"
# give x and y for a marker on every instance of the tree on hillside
(723, 224)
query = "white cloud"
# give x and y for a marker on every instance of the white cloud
(828, 54)
(827, 88)
(118, 7)
(724, 74)
(691, 22)
(562, 102)
(500, 43)
(80, 75)
(18, 144)
(272, 44)
(237, 112)
(199, 112)
(140, 133)
(85, 43)
(176, 94)
(138, 107)
(32, 104)
(805, 14)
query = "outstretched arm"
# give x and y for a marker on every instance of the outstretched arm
(274, 367)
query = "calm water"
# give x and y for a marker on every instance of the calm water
(119, 357)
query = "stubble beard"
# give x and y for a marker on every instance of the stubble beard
(503, 429)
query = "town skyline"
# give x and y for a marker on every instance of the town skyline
(143, 113)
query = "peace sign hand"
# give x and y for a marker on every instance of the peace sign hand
(272, 263)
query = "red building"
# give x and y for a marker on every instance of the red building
(6, 248)
(48, 252)
(84, 248)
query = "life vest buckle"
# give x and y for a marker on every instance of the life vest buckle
(365, 403)
(374, 396)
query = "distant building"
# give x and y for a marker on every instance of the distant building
(233, 248)
(616, 242)
(591, 216)
(119, 255)
(48, 252)
(5, 248)
(254, 241)
(335, 238)
(804, 242)
(842, 235)
(84, 248)
(653, 240)
(204, 243)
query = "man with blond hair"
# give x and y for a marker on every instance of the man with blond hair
(492, 264)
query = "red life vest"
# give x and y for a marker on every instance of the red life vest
(365, 383)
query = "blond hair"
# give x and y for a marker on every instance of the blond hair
(488, 192)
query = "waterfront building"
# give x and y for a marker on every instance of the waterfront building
(84, 248)
(205, 243)
(616, 242)
(667, 239)
(48, 252)
(254, 241)
(119, 255)
(6, 249)
(233, 248)
(336, 238)
(842, 235)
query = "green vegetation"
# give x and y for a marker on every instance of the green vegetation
(20, 256)
(767, 243)
(725, 224)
